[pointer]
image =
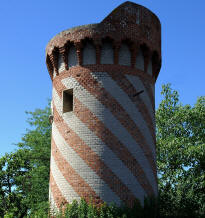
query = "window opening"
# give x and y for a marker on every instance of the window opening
(67, 100)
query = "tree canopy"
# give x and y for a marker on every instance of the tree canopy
(181, 155)
(24, 174)
(180, 134)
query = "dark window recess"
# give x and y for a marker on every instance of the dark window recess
(67, 100)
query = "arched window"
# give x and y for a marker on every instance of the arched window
(61, 64)
(124, 55)
(89, 53)
(72, 56)
(140, 60)
(107, 53)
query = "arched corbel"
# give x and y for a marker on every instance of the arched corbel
(64, 52)
(79, 46)
(116, 49)
(98, 44)
(135, 51)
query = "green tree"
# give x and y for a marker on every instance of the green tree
(181, 156)
(24, 174)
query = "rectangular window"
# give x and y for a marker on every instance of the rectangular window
(67, 100)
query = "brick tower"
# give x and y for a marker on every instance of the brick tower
(103, 104)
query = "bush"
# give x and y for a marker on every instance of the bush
(83, 209)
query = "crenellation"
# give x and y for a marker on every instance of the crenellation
(106, 51)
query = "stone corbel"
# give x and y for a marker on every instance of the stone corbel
(134, 51)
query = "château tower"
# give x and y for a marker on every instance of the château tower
(103, 105)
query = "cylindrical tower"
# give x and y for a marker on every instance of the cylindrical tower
(103, 129)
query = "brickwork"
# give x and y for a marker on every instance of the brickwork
(139, 61)
(104, 148)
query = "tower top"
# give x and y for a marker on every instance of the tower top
(128, 22)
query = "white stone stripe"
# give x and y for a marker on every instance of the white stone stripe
(106, 155)
(110, 122)
(53, 207)
(83, 170)
(66, 189)
(123, 99)
(138, 85)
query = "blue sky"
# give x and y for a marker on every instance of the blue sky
(27, 26)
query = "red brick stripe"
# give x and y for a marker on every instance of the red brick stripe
(96, 126)
(117, 68)
(77, 183)
(130, 90)
(56, 192)
(94, 161)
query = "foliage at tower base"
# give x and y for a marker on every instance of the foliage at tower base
(24, 174)
(84, 209)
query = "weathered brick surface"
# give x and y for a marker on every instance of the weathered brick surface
(58, 198)
(105, 148)
(96, 165)
(76, 182)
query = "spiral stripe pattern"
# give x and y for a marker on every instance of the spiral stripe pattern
(95, 153)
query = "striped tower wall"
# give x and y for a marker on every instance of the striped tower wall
(104, 147)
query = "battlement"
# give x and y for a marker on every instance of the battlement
(130, 35)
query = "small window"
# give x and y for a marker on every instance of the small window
(67, 100)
